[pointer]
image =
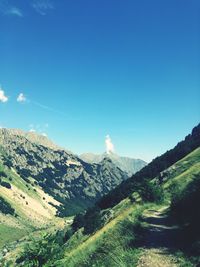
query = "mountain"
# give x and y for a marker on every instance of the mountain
(40, 165)
(129, 165)
(34, 137)
(151, 219)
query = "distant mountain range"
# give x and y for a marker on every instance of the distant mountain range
(128, 165)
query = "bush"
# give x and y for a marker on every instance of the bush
(151, 192)
(5, 207)
(38, 252)
(5, 184)
(3, 174)
(78, 221)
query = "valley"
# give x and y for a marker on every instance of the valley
(141, 226)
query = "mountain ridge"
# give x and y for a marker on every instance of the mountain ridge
(127, 164)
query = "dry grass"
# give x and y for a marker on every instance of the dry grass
(27, 206)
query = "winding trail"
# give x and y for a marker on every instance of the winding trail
(159, 241)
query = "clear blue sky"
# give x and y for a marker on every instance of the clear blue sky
(89, 68)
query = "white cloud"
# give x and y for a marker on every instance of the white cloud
(21, 98)
(14, 11)
(3, 97)
(32, 131)
(6, 8)
(39, 128)
(42, 6)
(109, 145)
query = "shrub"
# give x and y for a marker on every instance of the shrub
(5, 207)
(3, 174)
(151, 192)
(5, 184)
(38, 252)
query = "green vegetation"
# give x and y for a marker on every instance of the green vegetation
(185, 209)
(5, 207)
(115, 242)
(10, 234)
(40, 250)
(5, 184)
(113, 245)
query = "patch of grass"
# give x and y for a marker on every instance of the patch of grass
(184, 170)
(14, 179)
(184, 178)
(10, 234)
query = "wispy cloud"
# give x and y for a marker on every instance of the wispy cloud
(42, 6)
(21, 98)
(14, 11)
(6, 8)
(39, 128)
(56, 111)
(3, 97)
(32, 130)
(9, 8)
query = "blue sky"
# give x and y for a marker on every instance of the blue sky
(90, 68)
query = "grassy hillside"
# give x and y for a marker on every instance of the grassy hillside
(183, 172)
(23, 207)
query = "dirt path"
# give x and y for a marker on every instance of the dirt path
(159, 241)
